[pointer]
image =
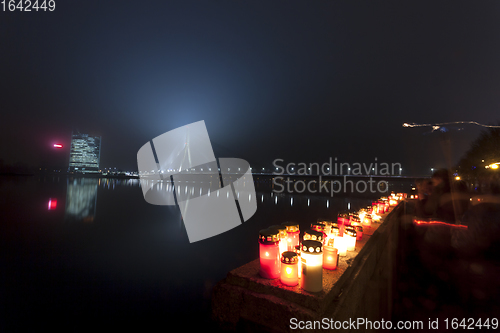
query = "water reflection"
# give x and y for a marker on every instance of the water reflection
(81, 195)
(81, 199)
(52, 204)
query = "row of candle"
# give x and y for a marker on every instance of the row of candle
(281, 253)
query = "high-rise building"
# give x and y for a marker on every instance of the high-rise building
(85, 153)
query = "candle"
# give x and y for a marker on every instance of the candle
(355, 220)
(393, 199)
(283, 237)
(330, 257)
(340, 244)
(362, 213)
(328, 228)
(319, 228)
(359, 232)
(383, 207)
(297, 251)
(326, 225)
(289, 268)
(293, 235)
(343, 218)
(350, 238)
(269, 253)
(367, 221)
(312, 266)
(313, 235)
(335, 232)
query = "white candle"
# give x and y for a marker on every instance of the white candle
(312, 266)
(340, 244)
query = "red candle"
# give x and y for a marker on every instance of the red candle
(293, 235)
(269, 253)
(359, 232)
(330, 256)
(343, 220)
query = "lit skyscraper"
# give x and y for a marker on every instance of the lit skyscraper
(85, 153)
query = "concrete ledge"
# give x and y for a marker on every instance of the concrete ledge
(363, 275)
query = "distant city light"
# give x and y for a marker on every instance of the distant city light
(52, 204)
(58, 145)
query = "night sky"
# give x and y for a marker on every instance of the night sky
(297, 80)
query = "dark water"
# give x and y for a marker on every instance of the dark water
(77, 252)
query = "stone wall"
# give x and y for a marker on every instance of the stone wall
(362, 287)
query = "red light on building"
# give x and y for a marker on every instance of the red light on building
(58, 145)
(52, 204)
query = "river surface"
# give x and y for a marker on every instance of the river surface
(81, 251)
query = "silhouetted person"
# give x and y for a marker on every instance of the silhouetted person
(424, 189)
(439, 205)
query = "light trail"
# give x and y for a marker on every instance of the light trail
(438, 125)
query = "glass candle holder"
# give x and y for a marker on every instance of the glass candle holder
(335, 232)
(367, 221)
(319, 228)
(342, 218)
(327, 231)
(293, 235)
(381, 207)
(359, 232)
(313, 235)
(350, 236)
(321, 220)
(283, 237)
(327, 223)
(289, 268)
(328, 227)
(312, 266)
(297, 251)
(340, 244)
(355, 220)
(269, 254)
(387, 206)
(330, 257)
(362, 214)
(352, 217)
